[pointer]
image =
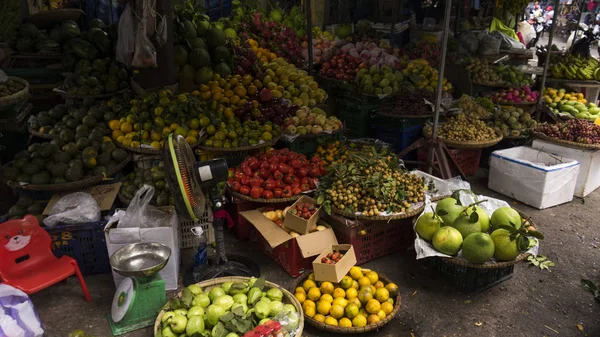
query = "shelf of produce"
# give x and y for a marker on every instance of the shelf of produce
(589, 88)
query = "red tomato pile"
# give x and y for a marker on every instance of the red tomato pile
(276, 174)
(304, 210)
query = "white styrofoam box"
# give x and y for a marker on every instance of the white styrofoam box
(167, 235)
(589, 164)
(533, 177)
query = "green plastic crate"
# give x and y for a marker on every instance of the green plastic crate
(356, 117)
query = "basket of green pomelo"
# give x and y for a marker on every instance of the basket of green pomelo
(229, 307)
(474, 241)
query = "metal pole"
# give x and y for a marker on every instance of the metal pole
(438, 100)
(309, 36)
(578, 22)
(392, 28)
(546, 65)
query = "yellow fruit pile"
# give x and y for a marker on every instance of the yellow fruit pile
(332, 152)
(422, 75)
(552, 95)
(263, 54)
(227, 94)
(358, 300)
(151, 118)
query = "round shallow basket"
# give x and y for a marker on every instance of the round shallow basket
(145, 150)
(48, 18)
(18, 96)
(489, 85)
(288, 298)
(414, 209)
(517, 105)
(238, 149)
(263, 200)
(493, 265)
(470, 144)
(318, 135)
(66, 95)
(84, 183)
(352, 330)
(565, 142)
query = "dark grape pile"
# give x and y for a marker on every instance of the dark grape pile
(409, 103)
(275, 110)
(574, 130)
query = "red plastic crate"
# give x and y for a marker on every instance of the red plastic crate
(287, 255)
(243, 229)
(467, 160)
(382, 237)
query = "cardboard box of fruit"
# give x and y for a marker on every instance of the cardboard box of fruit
(303, 215)
(458, 227)
(334, 262)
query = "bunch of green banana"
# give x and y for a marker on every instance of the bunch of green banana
(576, 68)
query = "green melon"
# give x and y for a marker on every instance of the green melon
(181, 55)
(215, 37)
(223, 69)
(203, 76)
(221, 54)
(199, 58)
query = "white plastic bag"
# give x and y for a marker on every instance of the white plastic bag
(126, 40)
(141, 214)
(145, 53)
(78, 207)
(489, 44)
(18, 317)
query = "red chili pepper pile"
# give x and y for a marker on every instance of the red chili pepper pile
(276, 174)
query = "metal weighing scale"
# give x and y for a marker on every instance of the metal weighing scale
(141, 295)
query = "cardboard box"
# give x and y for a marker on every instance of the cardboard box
(294, 254)
(334, 272)
(588, 179)
(167, 235)
(301, 225)
(103, 194)
(533, 177)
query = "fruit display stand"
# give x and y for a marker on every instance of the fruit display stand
(590, 88)
(351, 330)
(288, 298)
(234, 156)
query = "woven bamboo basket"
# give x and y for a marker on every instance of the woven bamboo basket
(412, 211)
(48, 18)
(469, 144)
(70, 186)
(238, 149)
(352, 330)
(263, 200)
(565, 142)
(18, 96)
(208, 284)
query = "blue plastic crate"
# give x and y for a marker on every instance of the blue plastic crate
(399, 136)
(85, 243)
(213, 8)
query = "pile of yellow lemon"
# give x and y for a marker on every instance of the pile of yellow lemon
(358, 300)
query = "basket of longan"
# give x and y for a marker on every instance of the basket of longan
(463, 132)
(362, 301)
(371, 186)
(13, 91)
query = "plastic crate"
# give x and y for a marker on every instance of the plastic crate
(469, 280)
(85, 243)
(187, 239)
(400, 137)
(356, 117)
(467, 160)
(381, 238)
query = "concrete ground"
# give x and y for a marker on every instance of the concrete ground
(531, 303)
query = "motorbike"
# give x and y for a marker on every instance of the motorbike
(582, 46)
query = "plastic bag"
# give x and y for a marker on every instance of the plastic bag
(78, 207)
(468, 43)
(126, 40)
(141, 214)
(508, 42)
(489, 44)
(18, 317)
(145, 53)
(161, 31)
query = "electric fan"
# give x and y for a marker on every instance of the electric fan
(187, 181)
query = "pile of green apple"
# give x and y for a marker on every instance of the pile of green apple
(452, 228)
(227, 310)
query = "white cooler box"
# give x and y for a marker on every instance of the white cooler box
(589, 164)
(533, 177)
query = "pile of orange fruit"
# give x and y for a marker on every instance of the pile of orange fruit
(360, 299)
(263, 54)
